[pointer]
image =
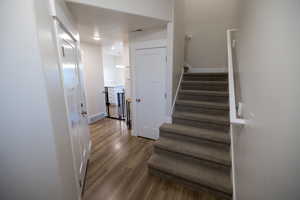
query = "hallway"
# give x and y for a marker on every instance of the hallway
(118, 168)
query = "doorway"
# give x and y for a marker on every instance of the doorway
(115, 103)
(115, 62)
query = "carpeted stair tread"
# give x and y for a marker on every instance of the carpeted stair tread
(206, 74)
(205, 104)
(195, 149)
(210, 85)
(184, 82)
(222, 120)
(199, 174)
(189, 131)
(202, 151)
(204, 92)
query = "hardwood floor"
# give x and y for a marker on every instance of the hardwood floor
(118, 168)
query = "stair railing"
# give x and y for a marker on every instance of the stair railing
(234, 119)
(177, 91)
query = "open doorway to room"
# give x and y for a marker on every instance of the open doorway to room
(116, 73)
(111, 42)
(107, 79)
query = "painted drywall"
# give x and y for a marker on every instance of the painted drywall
(160, 9)
(157, 33)
(93, 78)
(206, 21)
(179, 41)
(34, 164)
(267, 148)
(113, 76)
(127, 71)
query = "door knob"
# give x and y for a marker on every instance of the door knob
(83, 113)
(138, 100)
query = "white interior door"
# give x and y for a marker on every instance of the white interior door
(75, 103)
(150, 66)
(84, 125)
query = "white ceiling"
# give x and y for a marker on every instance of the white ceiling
(112, 26)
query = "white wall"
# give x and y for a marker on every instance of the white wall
(178, 41)
(207, 21)
(267, 153)
(125, 54)
(35, 151)
(113, 76)
(160, 9)
(93, 78)
(157, 33)
(127, 71)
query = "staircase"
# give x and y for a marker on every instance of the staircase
(195, 149)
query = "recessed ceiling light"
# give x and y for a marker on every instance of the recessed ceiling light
(120, 66)
(97, 38)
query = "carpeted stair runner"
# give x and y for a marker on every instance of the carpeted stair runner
(195, 149)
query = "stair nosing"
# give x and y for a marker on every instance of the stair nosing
(226, 163)
(206, 74)
(205, 104)
(204, 92)
(189, 177)
(201, 117)
(205, 82)
(222, 140)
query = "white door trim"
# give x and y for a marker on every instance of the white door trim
(150, 44)
(147, 45)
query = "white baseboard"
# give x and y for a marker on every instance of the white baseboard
(208, 70)
(95, 118)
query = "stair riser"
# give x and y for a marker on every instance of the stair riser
(205, 87)
(220, 99)
(184, 159)
(202, 124)
(207, 78)
(192, 109)
(188, 184)
(213, 142)
(197, 161)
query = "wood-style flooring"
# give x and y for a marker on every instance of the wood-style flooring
(118, 168)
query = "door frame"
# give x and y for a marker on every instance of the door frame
(152, 44)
